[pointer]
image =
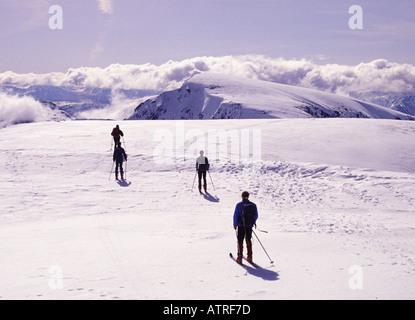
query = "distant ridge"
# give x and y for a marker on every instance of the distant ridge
(215, 96)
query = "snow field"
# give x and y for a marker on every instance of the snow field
(336, 196)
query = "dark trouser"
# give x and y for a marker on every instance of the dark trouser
(202, 173)
(248, 237)
(242, 236)
(119, 164)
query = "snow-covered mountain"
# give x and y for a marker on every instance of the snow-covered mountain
(214, 96)
(400, 101)
(207, 96)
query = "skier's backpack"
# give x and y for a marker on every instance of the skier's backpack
(115, 133)
(249, 211)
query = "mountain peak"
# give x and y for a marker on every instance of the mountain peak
(216, 96)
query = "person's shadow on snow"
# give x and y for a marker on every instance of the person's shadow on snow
(124, 183)
(265, 274)
(211, 198)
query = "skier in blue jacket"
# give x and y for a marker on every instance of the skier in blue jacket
(244, 219)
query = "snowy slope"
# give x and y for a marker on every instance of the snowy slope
(337, 197)
(214, 96)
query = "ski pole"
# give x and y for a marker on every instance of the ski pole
(211, 180)
(194, 180)
(112, 168)
(125, 147)
(263, 231)
(263, 247)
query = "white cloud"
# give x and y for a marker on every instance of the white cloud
(98, 46)
(105, 6)
(378, 75)
(14, 109)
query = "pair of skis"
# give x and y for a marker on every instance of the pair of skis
(255, 265)
(241, 264)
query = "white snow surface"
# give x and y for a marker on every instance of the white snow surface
(336, 196)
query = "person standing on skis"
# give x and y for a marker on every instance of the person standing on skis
(202, 166)
(119, 157)
(117, 134)
(244, 219)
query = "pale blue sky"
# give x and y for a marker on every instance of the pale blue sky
(103, 32)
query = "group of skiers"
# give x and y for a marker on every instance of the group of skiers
(245, 214)
(119, 155)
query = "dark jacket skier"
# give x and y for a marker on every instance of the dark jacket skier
(117, 134)
(244, 218)
(202, 165)
(119, 157)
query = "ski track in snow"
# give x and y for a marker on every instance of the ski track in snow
(153, 238)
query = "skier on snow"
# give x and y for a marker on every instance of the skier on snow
(202, 165)
(244, 218)
(117, 134)
(119, 157)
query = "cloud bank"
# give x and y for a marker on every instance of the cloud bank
(14, 109)
(379, 75)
